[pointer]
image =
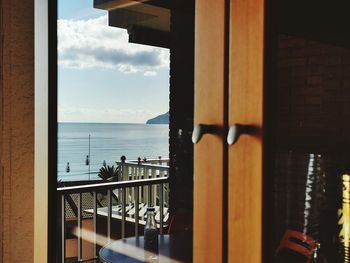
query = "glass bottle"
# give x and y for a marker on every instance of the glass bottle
(304, 192)
(151, 232)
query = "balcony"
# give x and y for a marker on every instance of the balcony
(93, 215)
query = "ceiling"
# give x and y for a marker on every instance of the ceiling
(326, 21)
(150, 14)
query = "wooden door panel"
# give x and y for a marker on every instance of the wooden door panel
(246, 107)
(209, 109)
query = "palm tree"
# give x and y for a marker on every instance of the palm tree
(109, 173)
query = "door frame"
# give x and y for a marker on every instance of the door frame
(45, 70)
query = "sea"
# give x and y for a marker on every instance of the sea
(106, 142)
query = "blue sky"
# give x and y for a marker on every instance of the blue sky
(102, 77)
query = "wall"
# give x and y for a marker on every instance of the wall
(313, 94)
(312, 110)
(17, 130)
(181, 107)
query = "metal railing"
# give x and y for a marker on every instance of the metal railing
(139, 170)
(141, 186)
(158, 161)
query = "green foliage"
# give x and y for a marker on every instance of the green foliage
(109, 173)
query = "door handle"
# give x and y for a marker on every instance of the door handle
(236, 130)
(201, 129)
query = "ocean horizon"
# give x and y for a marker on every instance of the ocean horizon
(108, 142)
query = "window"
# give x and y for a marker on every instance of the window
(181, 111)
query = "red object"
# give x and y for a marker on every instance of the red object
(298, 242)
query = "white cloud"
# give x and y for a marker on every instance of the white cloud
(150, 73)
(93, 44)
(76, 114)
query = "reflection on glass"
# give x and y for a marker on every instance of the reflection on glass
(310, 211)
(302, 185)
(344, 220)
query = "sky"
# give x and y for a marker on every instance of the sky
(103, 78)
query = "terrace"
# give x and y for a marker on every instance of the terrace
(112, 210)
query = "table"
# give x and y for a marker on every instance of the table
(172, 248)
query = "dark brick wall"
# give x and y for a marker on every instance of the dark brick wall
(313, 94)
(311, 116)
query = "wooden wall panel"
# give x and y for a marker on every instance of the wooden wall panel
(246, 107)
(17, 130)
(209, 109)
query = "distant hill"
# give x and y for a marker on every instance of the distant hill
(161, 119)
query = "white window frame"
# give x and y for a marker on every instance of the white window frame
(45, 155)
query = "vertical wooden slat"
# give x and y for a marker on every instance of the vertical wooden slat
(94, 202)
(131, 189)
(136, 215)
(123, 204)
(246, 107)
(109, 214)
(80, 227)
(63, 229)
(209, 109)
(161, 208)
(154, 190)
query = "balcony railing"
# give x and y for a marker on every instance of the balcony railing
(140, 185)
(159, 161)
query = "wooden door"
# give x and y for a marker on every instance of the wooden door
(229, 49)
(246, 107)
(209, 109)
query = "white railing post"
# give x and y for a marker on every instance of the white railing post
(138, 185)
(125, 171)
(153, 189)
(121, 176)
(145, 188)
(139, 177)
